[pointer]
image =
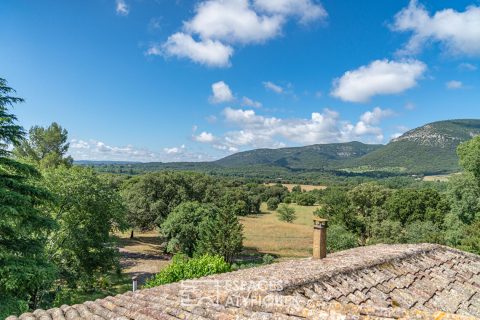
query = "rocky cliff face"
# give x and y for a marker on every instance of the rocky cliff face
(443, 134)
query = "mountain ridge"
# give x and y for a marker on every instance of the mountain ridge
(428, 149)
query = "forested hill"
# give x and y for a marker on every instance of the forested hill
(318, 156)
(429, 149)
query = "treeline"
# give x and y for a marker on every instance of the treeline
(374, 213)
(261, 173)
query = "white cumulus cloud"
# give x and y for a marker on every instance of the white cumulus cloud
(174, 150)
(273, 87)
(454, 84)
(122, 8)
(221, 93)
(218, 25)
(204, 137)
(100, 151)
(257, 131)
(376, 115)
(247, 102)
(465, 66)
(208, 52)
(380, 77)
(306, 10)
(232, 21)
(458, 32)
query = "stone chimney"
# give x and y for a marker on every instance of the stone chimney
(319, 238)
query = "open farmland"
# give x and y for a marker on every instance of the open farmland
(305, 187)
(264, 233)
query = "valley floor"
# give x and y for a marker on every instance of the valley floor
(266, 234)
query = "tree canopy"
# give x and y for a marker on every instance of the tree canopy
(25, 271)
(46, 147)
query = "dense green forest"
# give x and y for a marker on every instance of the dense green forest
(58, 220)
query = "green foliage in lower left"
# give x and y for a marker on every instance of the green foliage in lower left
(86, 210)
(183, 268)
(25, 271)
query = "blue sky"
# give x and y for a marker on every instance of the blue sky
(163, 80)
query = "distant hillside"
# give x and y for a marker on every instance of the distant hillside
(103, 162)
(318, 156)
(428, 149)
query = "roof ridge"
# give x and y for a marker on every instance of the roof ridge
(289, 277)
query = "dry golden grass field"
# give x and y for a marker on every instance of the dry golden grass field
(305, 187)
(439, 178)
(264, 233)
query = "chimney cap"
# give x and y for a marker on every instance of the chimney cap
(320, 222)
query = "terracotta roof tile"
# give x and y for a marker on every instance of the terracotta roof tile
(377, 282)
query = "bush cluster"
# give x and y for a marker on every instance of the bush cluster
(183, 268)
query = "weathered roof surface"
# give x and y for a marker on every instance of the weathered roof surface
(383, 281)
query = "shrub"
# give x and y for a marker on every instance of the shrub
(286, 213)
(297, 189)
(267, 259)
(272, 203)
(423, 231)
(306, 199)
(339, 238)
(183, 268)
(386, 231)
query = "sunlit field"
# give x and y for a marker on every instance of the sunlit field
(264, 233)
(305, 187)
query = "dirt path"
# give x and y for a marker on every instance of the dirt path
(142, 256)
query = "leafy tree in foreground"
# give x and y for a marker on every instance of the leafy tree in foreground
(46, 147)
(221, 235)
(462, 223)
(150, 198)
(286, 213)
(339, 238)
(366, 209)
(86, 210)
(469, 154)
(182, 226)
(25, 271)
(464, 195)
(409, 205)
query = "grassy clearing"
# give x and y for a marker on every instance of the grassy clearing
(264, 233)
(439, 178)
(305, 187)
(143, 255)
